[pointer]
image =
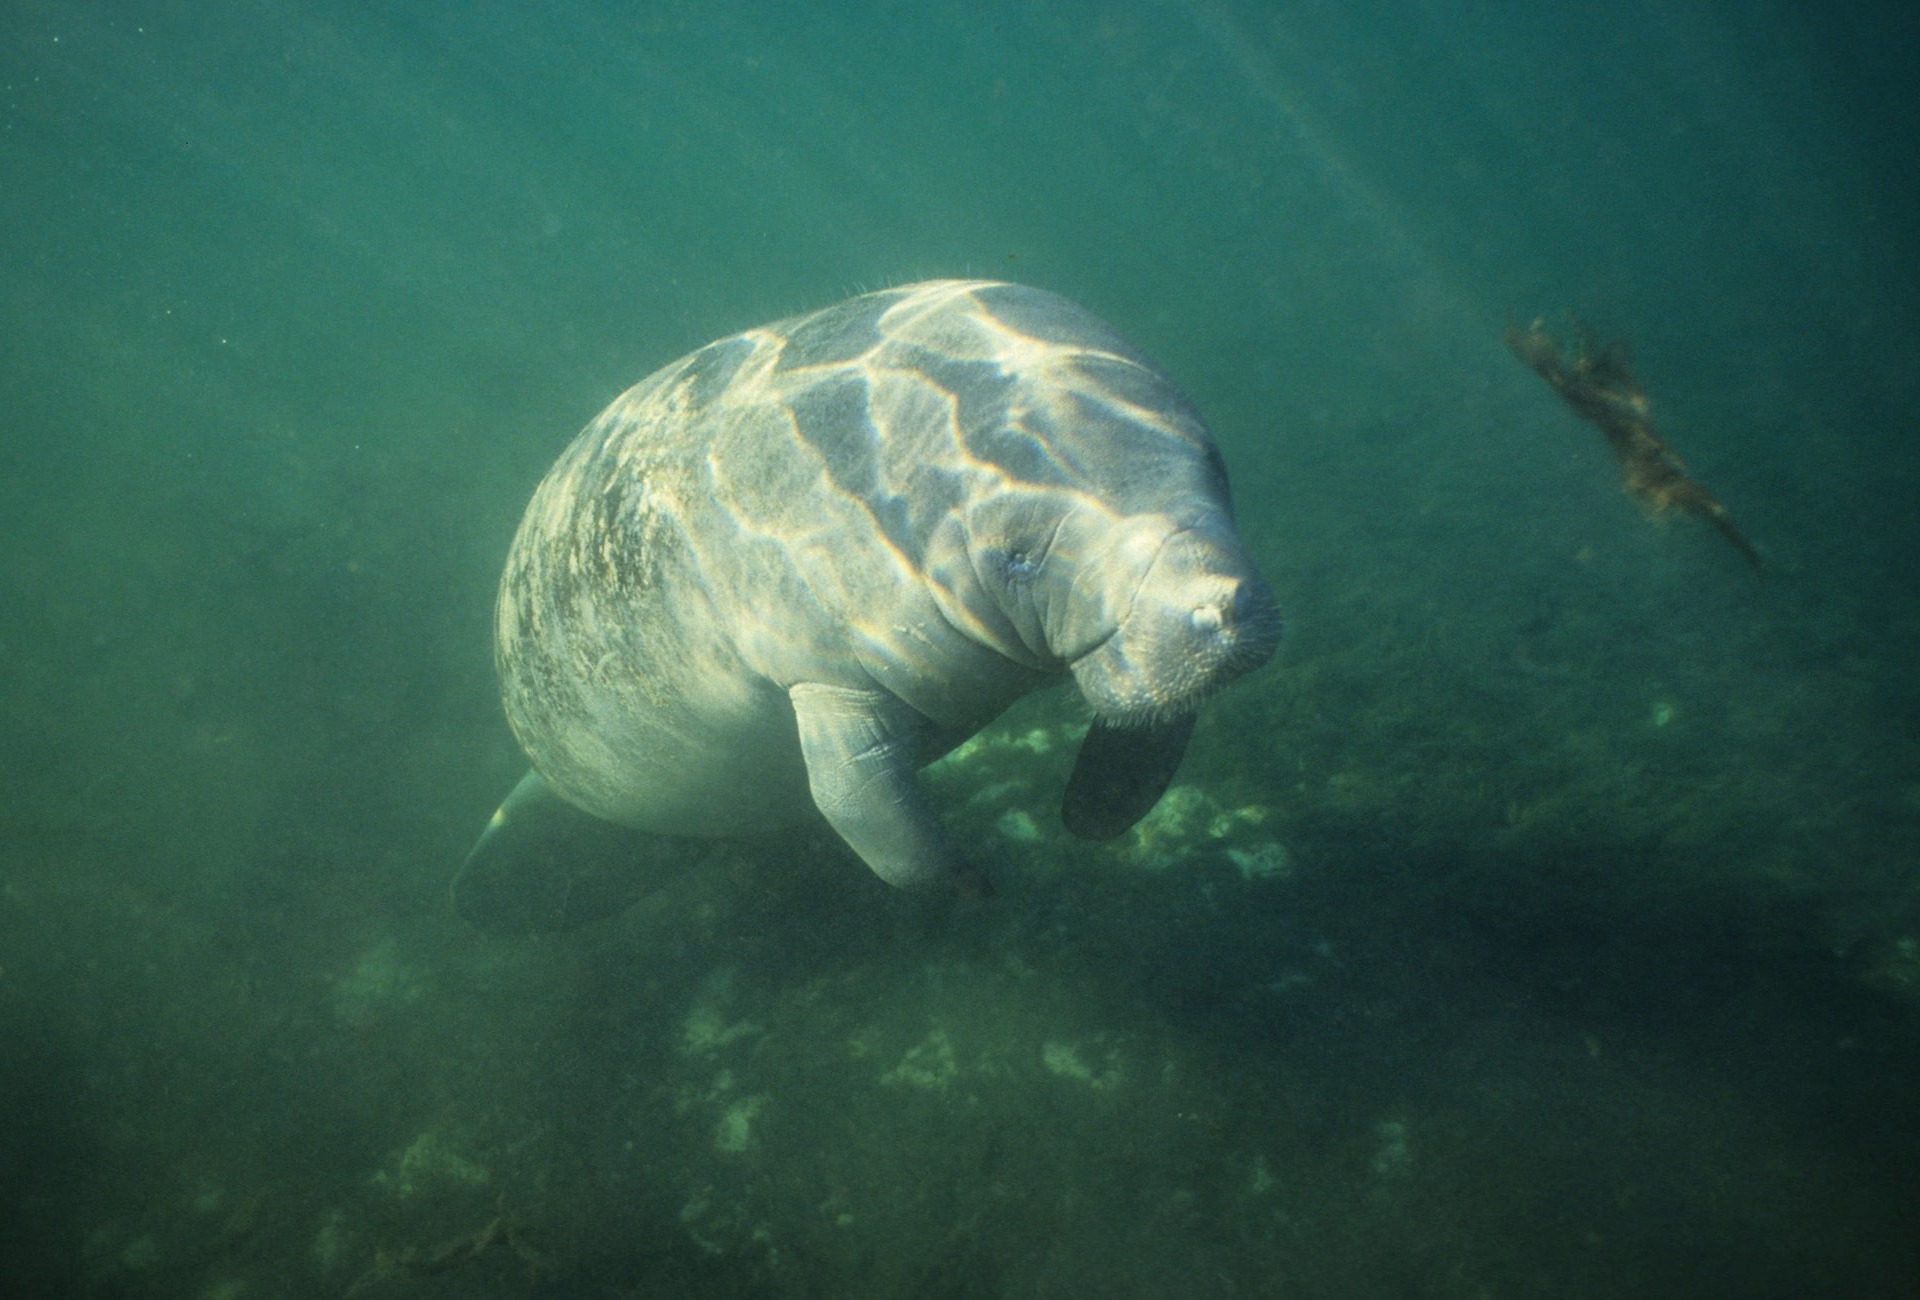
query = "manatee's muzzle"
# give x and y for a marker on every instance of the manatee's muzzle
(1201, 618)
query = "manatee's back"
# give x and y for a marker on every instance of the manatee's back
(612, 640)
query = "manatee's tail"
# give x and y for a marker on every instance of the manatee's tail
(543, 866)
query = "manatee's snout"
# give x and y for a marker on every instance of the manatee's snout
(1232, 626)
(1201, 616)
(1239, 617)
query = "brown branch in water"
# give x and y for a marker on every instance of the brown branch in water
(1595, 378)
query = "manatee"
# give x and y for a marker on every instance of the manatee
(774, 579)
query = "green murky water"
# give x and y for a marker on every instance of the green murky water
(1543, 922)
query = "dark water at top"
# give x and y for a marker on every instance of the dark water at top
(1543, 922)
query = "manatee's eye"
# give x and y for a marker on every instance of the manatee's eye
(1016, 564)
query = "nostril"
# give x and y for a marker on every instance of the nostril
(1207, 619)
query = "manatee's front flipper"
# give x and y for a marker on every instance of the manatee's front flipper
(543, 866)
(1121, 774)
(863, 749)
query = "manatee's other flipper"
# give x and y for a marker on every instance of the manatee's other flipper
(1121, 774)
(862, 748)
(542, 866)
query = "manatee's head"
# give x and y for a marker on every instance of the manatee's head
(1094, 513)
(1183, 612)
(1150, 613)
